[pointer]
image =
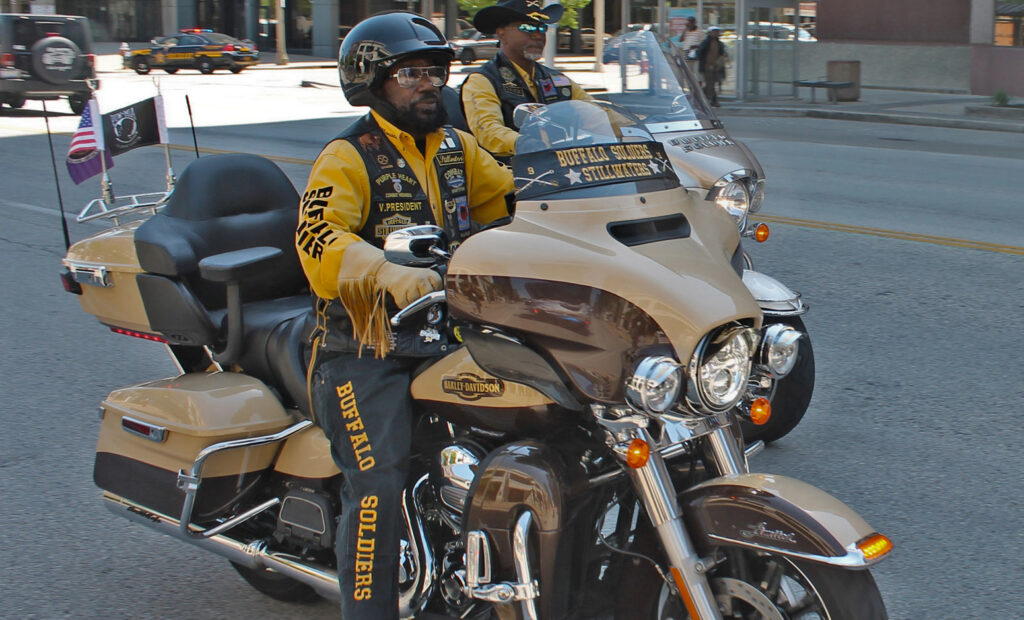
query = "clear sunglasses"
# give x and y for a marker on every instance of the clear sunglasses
(409, 77)
(532, 28)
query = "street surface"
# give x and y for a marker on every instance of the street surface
(908, 243)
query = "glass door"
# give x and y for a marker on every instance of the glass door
(770, 37)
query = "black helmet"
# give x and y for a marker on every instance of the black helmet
(378, 42)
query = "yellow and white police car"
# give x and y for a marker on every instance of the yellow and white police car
(194, 48)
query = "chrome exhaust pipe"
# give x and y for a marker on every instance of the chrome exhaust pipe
(253, 555)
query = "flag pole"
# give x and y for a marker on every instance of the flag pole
(161, 121)
(56, 179)
(108, 187)
(191, 123)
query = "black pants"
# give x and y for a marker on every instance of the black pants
(364, 407)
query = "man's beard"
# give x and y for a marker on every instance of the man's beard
(413, 122)
(534, 56)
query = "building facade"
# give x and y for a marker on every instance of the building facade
(974, 46)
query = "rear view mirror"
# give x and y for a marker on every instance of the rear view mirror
(523, 111)
(417, 246)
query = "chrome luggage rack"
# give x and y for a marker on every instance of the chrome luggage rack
(122, 206)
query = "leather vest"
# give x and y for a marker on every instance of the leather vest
(397, 199)
(552, 85)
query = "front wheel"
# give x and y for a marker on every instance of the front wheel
(791, 395)
(236, 69)
(171, 70)
(78, 103)
(141, 65)
(205, 66)
(276, 585)
(756, 585)
(467, 57)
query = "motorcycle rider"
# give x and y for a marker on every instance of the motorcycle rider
(490, 95)
(397, 166)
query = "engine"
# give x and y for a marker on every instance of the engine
(456, 467)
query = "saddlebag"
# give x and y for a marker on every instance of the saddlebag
(152, 430)
(105, 266)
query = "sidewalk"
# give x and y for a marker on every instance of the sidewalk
(954, 111)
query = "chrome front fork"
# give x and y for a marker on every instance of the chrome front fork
(654, 488)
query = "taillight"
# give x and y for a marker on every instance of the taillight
(135, 334)
(7, 60)
(229, 48)
(90, 60)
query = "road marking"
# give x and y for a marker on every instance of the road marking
(896, 234)
(208, 151)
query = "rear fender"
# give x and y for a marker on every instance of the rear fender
(776, 514)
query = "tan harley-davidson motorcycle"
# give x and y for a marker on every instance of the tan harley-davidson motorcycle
(577, 452)
(650, 77)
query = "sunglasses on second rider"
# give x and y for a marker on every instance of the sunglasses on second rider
(532, 28)
(409, 77)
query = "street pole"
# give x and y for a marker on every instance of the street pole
(598, 35)
(282, 54)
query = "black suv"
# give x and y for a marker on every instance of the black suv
(46, 57)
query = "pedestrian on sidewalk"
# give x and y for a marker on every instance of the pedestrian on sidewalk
(711, 59)
(689, 40)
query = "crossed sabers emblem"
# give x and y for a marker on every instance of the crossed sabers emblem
(536, 179)
(533, 4)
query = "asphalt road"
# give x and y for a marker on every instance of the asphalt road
(917, 343)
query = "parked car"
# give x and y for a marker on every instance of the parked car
(195, 48)
(46, 57)
(471, 45)
(586, 34)
(612, 45)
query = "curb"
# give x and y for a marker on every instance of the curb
(874, 117)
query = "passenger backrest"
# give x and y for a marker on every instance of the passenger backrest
(223, 203)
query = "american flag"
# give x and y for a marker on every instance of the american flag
(83, 159)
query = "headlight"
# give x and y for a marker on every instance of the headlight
(734, 198)
(655, 385)
(757, 196)
(719, 370)
(779, 349)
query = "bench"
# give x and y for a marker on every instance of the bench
(831, 86)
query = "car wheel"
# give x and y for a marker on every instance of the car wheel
(57, 60)
(205, 66)
(171, 70)
(467, 56)
(78, 103)
(15, 101)
(141, 65)
(236, 69)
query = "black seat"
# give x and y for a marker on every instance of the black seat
(226, 203)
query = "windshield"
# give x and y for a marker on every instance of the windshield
(649, 75)
(586, 148)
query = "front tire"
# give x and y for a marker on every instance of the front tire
(236, 69)
(15, 101)
(792, 394)
(78, 103)
(141, 65)
(276, 585)
(755, 585)
(205, 66)
(467, 57)
(171, 70)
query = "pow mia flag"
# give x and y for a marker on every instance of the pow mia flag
(139, 124)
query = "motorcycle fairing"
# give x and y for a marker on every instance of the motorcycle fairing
(529, 475)
(185, 414)
(708, 155)
(307, 454)
(775, 513)
(591, 301)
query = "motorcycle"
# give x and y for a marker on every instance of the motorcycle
(653, 80)
(577, 451)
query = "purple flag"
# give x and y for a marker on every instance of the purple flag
(86, 148)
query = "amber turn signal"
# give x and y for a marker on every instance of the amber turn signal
(637, 453)
(761, 233)
(760, 411)
(874, 546)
